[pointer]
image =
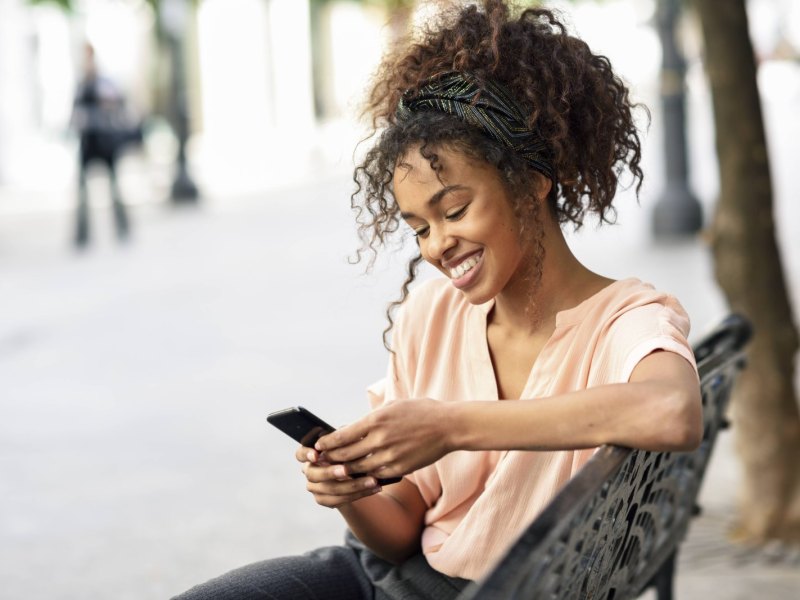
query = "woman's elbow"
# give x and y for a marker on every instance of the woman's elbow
(397, 555)
(686, 423)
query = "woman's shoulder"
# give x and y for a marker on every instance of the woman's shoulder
(633, 293)
(635, 319)
(624, 303)
(634, 304)
(623, 295)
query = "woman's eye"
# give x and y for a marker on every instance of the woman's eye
(421, 232)
(456, 214)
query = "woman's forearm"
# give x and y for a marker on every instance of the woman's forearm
(636, 415)
(389, 523)
(659, 409)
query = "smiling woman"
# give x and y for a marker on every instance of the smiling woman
(495, 131)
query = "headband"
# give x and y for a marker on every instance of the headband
(488, 106)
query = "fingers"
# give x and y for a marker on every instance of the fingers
(338, 492)
(333, 501)
(347, 487)
(303, 454)
(345, 436)
(380, 464)
(320, 473)
(352, 452)
(330, 484)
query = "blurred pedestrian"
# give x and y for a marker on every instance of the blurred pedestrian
(100, 118)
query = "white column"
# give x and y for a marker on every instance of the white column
(255, 73)
(233, 68)
(16, 103)
(290, 35)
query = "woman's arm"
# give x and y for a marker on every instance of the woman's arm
(659, 409)
(389, 521)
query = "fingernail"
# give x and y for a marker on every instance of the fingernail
(311, 456)
(340, 471)
(369, 482)
(319, 447)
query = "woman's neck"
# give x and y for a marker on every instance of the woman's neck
(531, 306)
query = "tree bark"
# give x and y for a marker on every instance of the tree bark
(748, 268)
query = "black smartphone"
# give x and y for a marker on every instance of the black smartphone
(300, 424)
(306, 428)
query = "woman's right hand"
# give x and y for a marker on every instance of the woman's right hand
(329, 483)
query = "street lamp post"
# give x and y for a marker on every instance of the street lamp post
(677, 212)
(174, 19)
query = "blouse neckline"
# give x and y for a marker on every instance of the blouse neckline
(482, 366)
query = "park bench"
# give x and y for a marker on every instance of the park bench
(615, 528)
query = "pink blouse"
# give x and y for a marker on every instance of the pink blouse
(479, 502)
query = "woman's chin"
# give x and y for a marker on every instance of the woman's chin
(476, 296)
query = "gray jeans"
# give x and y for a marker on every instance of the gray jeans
(349, 572)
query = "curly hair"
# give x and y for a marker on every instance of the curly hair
(570, 95)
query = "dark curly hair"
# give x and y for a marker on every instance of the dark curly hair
(570, 95)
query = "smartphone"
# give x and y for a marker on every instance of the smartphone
(300, 424)
(306, 428)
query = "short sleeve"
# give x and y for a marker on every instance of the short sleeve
(640, 331)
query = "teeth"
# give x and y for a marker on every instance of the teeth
(465, 266)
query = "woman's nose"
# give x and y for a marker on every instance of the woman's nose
(440, 240)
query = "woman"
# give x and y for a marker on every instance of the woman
(495, 132)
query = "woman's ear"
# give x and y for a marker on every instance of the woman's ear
(542, 185)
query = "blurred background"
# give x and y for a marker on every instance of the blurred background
(145, 336)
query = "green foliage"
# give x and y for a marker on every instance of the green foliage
(389, 4)
(64, 4)
(392, 4)
(68, 6)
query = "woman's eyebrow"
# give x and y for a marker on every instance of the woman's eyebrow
(436, 198)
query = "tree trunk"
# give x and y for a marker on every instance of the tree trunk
(748, 269)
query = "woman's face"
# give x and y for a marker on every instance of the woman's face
(464, 221)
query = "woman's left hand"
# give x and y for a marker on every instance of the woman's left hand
(393, 440)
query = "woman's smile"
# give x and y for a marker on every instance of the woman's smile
(465, 273)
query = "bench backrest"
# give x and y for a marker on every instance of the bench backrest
(613, 526)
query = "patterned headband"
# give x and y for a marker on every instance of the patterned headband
(489, 107)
